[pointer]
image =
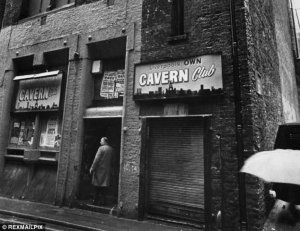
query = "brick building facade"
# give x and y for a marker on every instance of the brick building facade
(122, 69)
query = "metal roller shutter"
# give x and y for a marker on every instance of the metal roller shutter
(176, 168)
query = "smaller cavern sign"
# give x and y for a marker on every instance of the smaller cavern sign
(39, 93)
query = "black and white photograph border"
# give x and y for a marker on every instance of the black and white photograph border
(150, 115)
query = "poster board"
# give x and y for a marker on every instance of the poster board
(112, 85)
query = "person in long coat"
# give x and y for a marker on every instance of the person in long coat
(101, 170)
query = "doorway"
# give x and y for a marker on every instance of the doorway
(175, 161)
(94, 130)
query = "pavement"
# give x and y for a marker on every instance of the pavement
(77, 218)
(80, 219)
(280, 219)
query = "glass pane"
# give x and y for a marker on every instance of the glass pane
(22, 131)
(50, 128)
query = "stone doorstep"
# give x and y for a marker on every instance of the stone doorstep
(95, 208)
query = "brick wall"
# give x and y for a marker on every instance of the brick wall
(271, 75)
(131, 140)
(286, 65)
(12, 12)
(4, 38)
(13, 9)
(74, 25)
(208, 26)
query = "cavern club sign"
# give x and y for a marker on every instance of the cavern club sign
(194, 77)
(38, 91)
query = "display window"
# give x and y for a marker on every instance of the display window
(38, 94)
(24, 127)
(50, 132)
(22, 131)
(109, 85)
(36, 114)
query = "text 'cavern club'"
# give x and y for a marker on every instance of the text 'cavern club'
(188, 76)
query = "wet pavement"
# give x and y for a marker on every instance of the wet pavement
(77, 219)
(281, 220)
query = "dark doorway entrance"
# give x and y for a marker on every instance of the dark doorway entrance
(94, 130)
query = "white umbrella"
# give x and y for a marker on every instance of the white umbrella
(278, 166)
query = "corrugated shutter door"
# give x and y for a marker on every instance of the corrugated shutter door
(176, 168)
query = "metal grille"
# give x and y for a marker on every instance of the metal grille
(176, 168)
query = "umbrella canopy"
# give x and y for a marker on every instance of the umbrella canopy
(278, 166)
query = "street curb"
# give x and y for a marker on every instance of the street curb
(49, 220)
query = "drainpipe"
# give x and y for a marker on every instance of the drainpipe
(293, 28)
(238, 119)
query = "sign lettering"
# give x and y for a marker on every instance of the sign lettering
(164, 77)
(181, 77)
(37, 94)
(34, 94)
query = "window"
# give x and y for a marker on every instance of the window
(177, 22)
(24, 126)
(22, 131)
(50, 132)
(109, 86)
(33, 7)
(36, 114)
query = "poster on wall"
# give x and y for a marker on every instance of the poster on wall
(51, 131)
(120, 78)
(112, 85)
(15, 133)
(22, 133)
(39, 93)
(108, 85)
(196, 76)
(48, 138)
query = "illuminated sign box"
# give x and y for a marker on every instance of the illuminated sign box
(190, 77)
(38, 92)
